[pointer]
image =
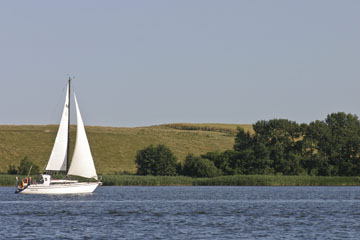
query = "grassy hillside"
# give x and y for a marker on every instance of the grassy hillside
(114, 149)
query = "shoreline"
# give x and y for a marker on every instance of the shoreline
(232, 180)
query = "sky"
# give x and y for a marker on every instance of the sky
(141, 63)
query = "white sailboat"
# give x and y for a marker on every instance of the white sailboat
(82, 163)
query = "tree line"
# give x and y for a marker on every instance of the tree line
(330, 147)
(26, 167)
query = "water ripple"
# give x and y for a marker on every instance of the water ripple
(185, 213)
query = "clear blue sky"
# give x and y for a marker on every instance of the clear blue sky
(150, 62)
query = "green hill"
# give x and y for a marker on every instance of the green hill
(114, 148)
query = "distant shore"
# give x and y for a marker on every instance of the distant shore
(235, 180)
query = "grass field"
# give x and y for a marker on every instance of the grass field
(113, 148)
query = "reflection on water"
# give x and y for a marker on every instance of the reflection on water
(185, 213)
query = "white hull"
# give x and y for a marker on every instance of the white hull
(72, 188)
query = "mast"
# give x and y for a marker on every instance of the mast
(68, 142)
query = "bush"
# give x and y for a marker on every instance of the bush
(12, 169)
(25, 166)
(199, 167)
(157, 161)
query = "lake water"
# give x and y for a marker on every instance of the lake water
(184, 213)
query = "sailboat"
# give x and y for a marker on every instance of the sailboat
(82, 163)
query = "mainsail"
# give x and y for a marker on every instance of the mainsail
(82, 163)
(57, 160)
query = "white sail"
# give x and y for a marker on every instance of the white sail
(82, 163)
(57, 160)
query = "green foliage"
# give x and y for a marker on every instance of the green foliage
(233, 180)
(332, 147)
(316, 164)
(224, 161)
(243, 140)
(277, 180)
(282, 147)
(199, 167)
(12, 169)
(135, 180)
(26, 165)
(157, 161)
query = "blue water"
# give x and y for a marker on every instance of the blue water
(184, 213)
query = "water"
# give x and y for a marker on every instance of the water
(184, 213)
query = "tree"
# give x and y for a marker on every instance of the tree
(26, 165)
(166, 163)
(332, 146)
(324, 148)
(222, 160)
(281, 131)
(157, 161)
(317, 165)
(262, 162)
(279, 143)
(315, 149)
(199, 167)
(344, 141)
(243, 140)
(145, 159)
